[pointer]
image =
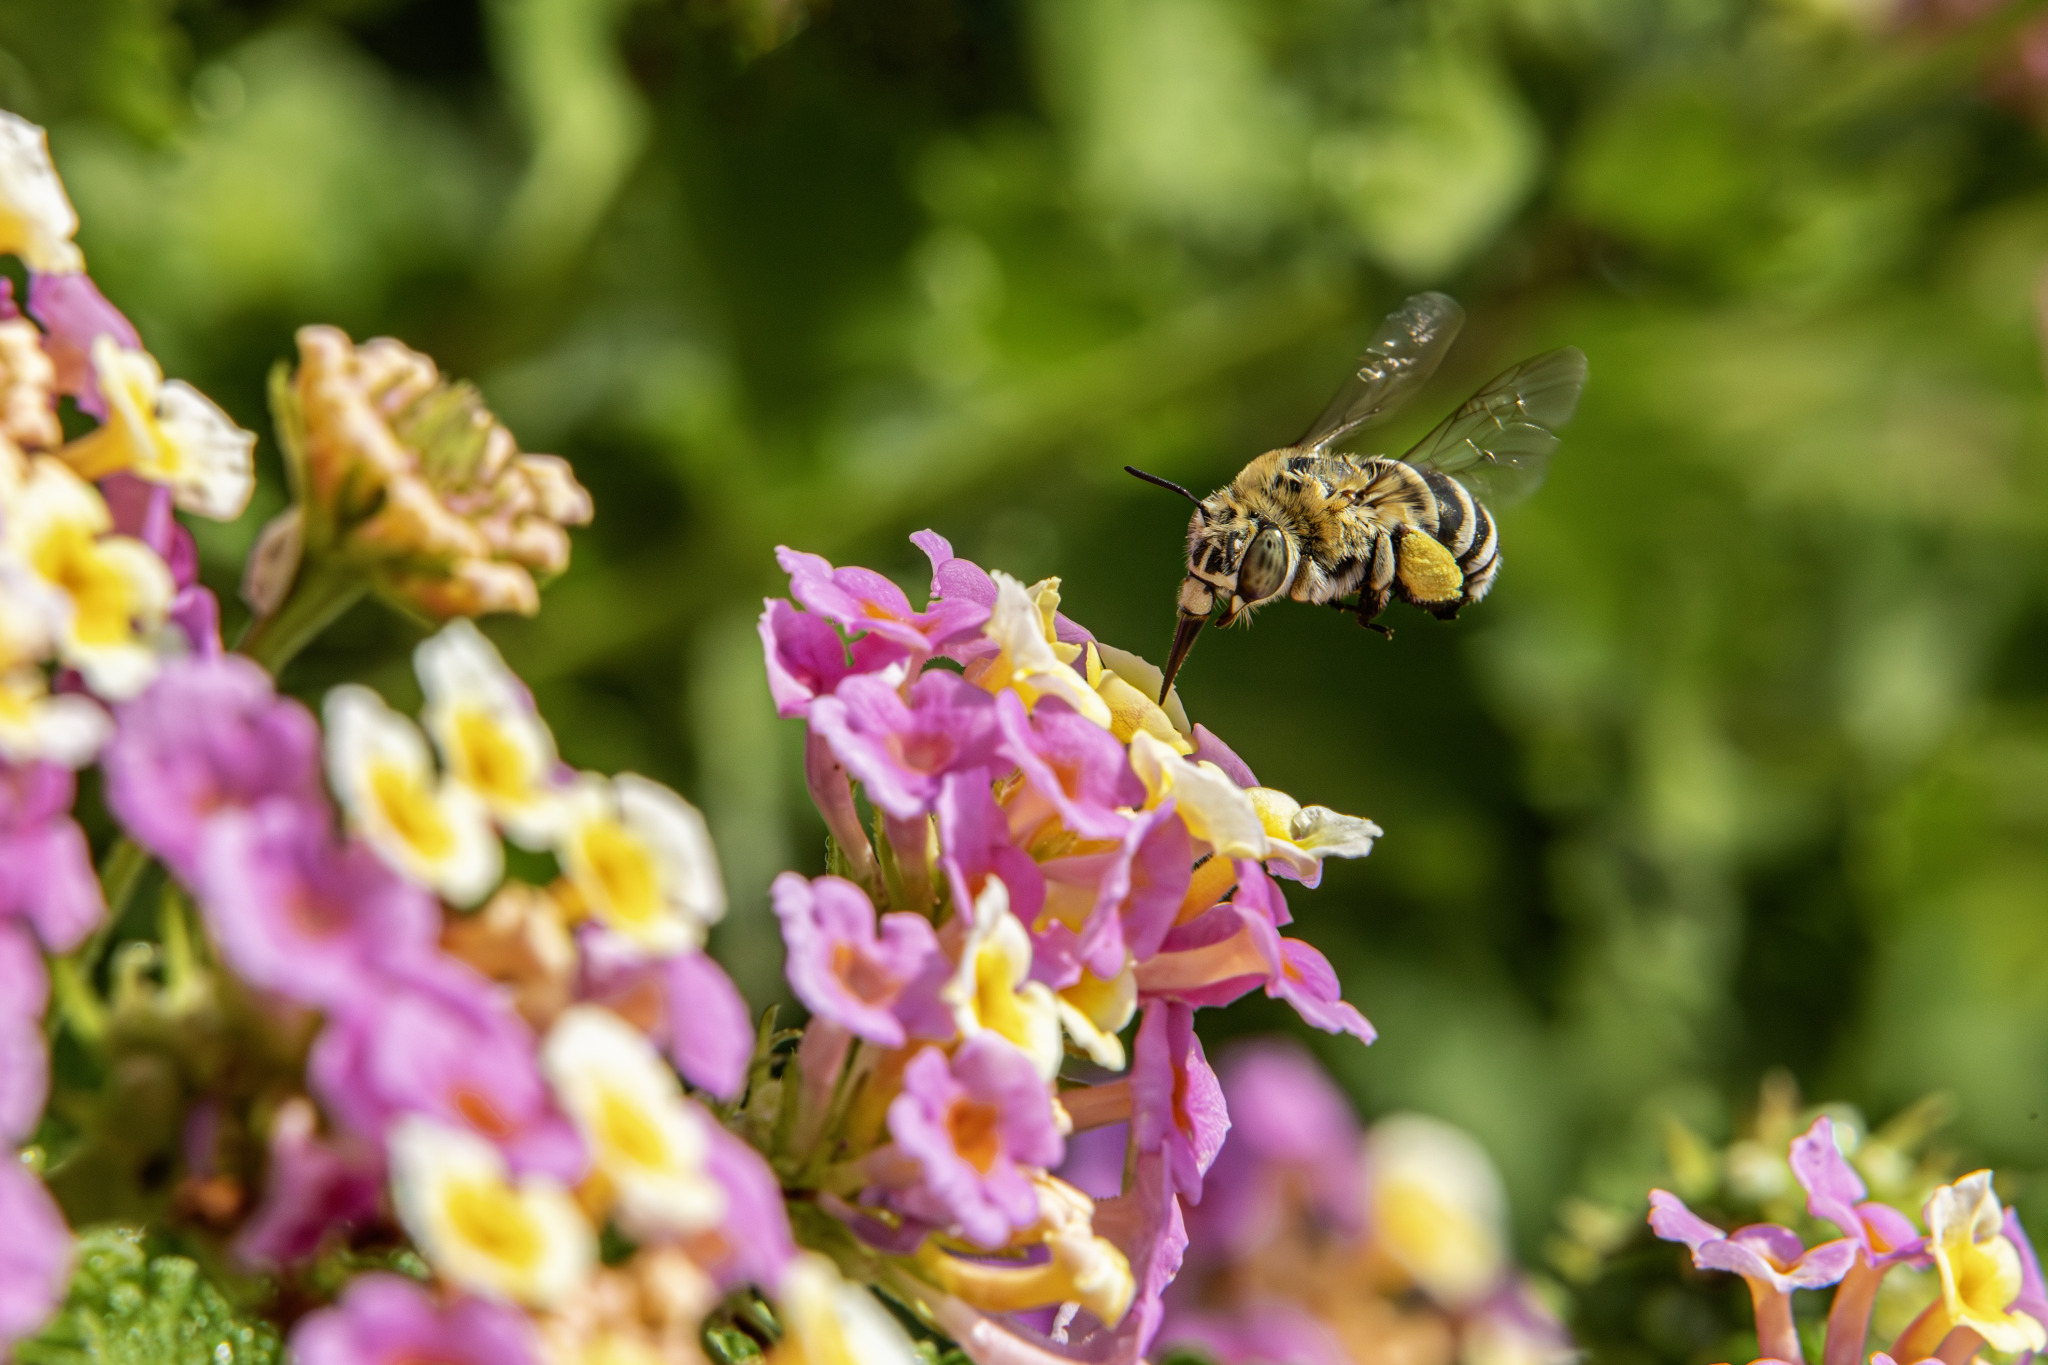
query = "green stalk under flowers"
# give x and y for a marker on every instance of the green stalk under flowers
(319, 596)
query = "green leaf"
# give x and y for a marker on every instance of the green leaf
(126, 1307)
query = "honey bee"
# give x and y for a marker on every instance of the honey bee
(1317, 525)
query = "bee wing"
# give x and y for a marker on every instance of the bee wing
(1499, 442)
(1401, 356)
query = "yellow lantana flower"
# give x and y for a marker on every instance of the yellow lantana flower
(1094, 1011)
(1214, 808)
(1029, 661)
(433, 830)
(167, 433)
(523, 1240)
(1437, 1207)
(828, 1321)
(991, 990)
(1302, 836)
(1979, 1265)
(491, 738)
(112, 591)
(647, 1141)
(641, 859)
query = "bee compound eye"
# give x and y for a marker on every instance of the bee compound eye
(1264, 569)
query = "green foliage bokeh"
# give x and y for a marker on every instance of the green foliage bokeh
(1745, 762)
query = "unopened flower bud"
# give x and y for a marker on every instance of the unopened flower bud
(412, 477)
(28, 388)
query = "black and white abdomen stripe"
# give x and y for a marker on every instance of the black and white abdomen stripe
(1466, 529)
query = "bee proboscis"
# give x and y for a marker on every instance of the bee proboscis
(1316, 524)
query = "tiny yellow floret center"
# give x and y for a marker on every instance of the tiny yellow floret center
(490, 1218)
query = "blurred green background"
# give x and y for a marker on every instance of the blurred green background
(1743, 765)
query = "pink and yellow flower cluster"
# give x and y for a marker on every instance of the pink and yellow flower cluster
(1990, 1288)
(1030, 854)
(436, 1112)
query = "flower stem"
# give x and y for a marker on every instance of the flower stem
(1925, 1333)
(1959, 1346)
(1849, 1315)
(1776, 1337)
(323, 591)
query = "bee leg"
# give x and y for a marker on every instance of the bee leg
(1365, 609)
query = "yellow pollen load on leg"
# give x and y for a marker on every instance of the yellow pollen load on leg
(971, 1126)
(487, 759)
(69, 557)
(626, 1130)
(489, 1218)
(408, 806)
(1429, 572)
(623, 869)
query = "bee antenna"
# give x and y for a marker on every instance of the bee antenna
(1168, 484)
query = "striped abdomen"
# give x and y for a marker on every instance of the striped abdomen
(1466, 529)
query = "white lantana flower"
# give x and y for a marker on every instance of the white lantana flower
(646, 1138)
(1028, 661)
(1215, 809)
(641, 859)
(1302, 836)
(490, 737)
(168, 433)
(1979, 1265)
(1094, 1011)
(425, 826)
(65, 729)
(828, 1321)
(37, 221)
(524, 1240)
(1436, 1206)
(113, 590)
(1130, 685)
(991, 991)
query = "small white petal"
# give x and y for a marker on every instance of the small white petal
(431, 830)
(525, 1240)
(37, 221)
(645, 1136)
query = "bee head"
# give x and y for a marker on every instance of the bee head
(1236, 559)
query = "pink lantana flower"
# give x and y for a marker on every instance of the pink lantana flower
(708, 1029)
(901, 750)
(388, 1320)
(1771, 1258)
(298, 911)
(1230, 949)
(315, 1186)
(433, 1038)
(209, 737)
(808, 658)
(35, 1255)
(1073, 769)
(1177, 1106)
(863, 601)
(24, 1053)
(1104, 909)
(46, 873)
(972, 1122)
(956, 580)
(878, 981)
(1835, 1192)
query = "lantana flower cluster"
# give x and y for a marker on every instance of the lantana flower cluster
(1989, 1290)
(1322, 1243)
(1030, 855)
(413, 1108)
